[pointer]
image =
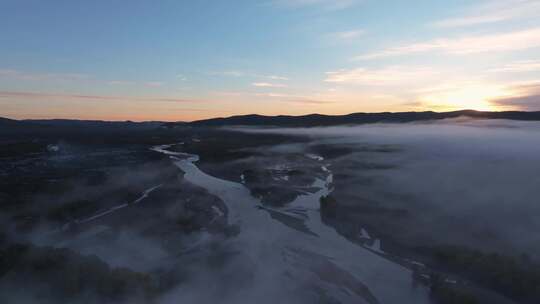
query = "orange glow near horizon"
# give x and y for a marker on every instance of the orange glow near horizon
(472, 97)
(449, 97)
(449, 102)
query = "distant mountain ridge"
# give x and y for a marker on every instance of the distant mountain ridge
(93, 123)
(7, 121)
(10, 127)
(76, 123)
(313, 120)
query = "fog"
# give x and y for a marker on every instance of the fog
(471, 182)
(465, 182)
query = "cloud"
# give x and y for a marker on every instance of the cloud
(324, 4)
(154, 84)
(464, 95)
(32, 76)
(228, 73)
(427, 87)
(494, 11)
(500, 42)
(275, 77)
(279, 97)
(394, 75)
(80, 97)
(236, 73)
(528, 103)
(120, 82)
(519, 66)
(268, 85)
(151, 84)
(293, 98)
(310, 101)
(480, 95)
(348, 35)
(21, 75)
(526, 97)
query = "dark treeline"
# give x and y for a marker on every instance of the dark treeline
(314, 120)
(70, 277)
(516, 278)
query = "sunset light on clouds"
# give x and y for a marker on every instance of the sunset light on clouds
(186, 60)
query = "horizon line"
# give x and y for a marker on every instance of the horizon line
(255, 114)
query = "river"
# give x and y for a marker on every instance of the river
(291, 251)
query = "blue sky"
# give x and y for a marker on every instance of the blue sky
(185, 60)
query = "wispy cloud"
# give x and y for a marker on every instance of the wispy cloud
(277, 97)
(151, 84)
(309, 101)
(347, 35)
(526, 102)
(236, 73)
(70, 77)
(494, 11)
(268, 85)
(80, 97)
(463, 95)
(509, 41)
(120, 83)
(324, 4)
(394, 75)
(154, 84)
(518, 66)
(275, 77)
(231, 73)
(34, 76)
(525, 97)
(481, 95)
(293, 98)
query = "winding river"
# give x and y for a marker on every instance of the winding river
(314, 259)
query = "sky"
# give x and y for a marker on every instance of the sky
(175, 60)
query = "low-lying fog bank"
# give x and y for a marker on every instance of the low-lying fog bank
(320, 215)
(470, 182)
